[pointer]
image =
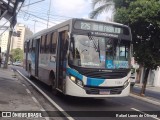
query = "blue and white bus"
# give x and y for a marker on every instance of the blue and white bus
(82, 57)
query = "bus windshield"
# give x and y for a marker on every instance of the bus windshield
(99, 52)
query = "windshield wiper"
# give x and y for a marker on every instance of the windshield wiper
(94, 42)
(95, 46)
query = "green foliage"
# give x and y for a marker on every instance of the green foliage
(17, 54)
(143, 16)
(101, 6)
(122, 3)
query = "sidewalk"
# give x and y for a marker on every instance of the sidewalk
(149, 87)
(13, 95)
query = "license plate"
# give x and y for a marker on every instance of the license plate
(104, 92)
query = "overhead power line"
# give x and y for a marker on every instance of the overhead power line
(37, 17)
(32, 3)
(50, 14)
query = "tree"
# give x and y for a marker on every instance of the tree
(100, 6)
(143, 16)
(17, 54)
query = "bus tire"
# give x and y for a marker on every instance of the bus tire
(29, 75)
(53, 81)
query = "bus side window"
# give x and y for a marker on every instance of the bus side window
(53, 43)
(48, 42)
(33, 45)
(30, 46)
(43, 44)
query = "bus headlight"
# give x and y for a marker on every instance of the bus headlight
(73, 78)
(76, 81)
(125, 84)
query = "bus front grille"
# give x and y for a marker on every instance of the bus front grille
(97, 90)
(104, 75)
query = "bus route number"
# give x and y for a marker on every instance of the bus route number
(85, 26)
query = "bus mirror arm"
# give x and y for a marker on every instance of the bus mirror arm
(71, 47)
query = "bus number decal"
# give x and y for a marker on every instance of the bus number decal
(85, 26)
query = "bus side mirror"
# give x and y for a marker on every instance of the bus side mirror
(71, 47)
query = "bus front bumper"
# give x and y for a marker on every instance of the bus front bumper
(73, 89)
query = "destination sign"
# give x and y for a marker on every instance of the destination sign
(100, 27)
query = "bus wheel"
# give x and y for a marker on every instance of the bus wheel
(53, 81)
(29, 75)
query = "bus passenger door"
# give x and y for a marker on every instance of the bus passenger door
(37, 56)
(61, 58)
(27, 50)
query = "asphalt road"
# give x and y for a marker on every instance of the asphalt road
(100, 105)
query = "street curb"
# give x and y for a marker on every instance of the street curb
(147, 88)
(145, 99)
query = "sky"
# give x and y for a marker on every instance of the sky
(60, 10)
(35, 16)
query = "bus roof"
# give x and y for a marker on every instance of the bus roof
(70, 21)
(102, 21)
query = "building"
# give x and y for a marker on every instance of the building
(4, 41)
(21, 33)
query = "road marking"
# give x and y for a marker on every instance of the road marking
(47, 97)
(135, 109)
(34, 99)
(42, 109)
(144, 113)
(28, 91)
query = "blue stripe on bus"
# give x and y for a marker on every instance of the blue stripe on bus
(94, 81)
(74, 73)
(90, 81)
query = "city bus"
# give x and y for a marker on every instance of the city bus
(82, 57)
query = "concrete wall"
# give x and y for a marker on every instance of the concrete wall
(157, 78)
(153, 77)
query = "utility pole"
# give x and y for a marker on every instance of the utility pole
(12, 24)
(8, 46)
(35, 25)
(49, 13)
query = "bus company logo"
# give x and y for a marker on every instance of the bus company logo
(6, 114)
(118, 82)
